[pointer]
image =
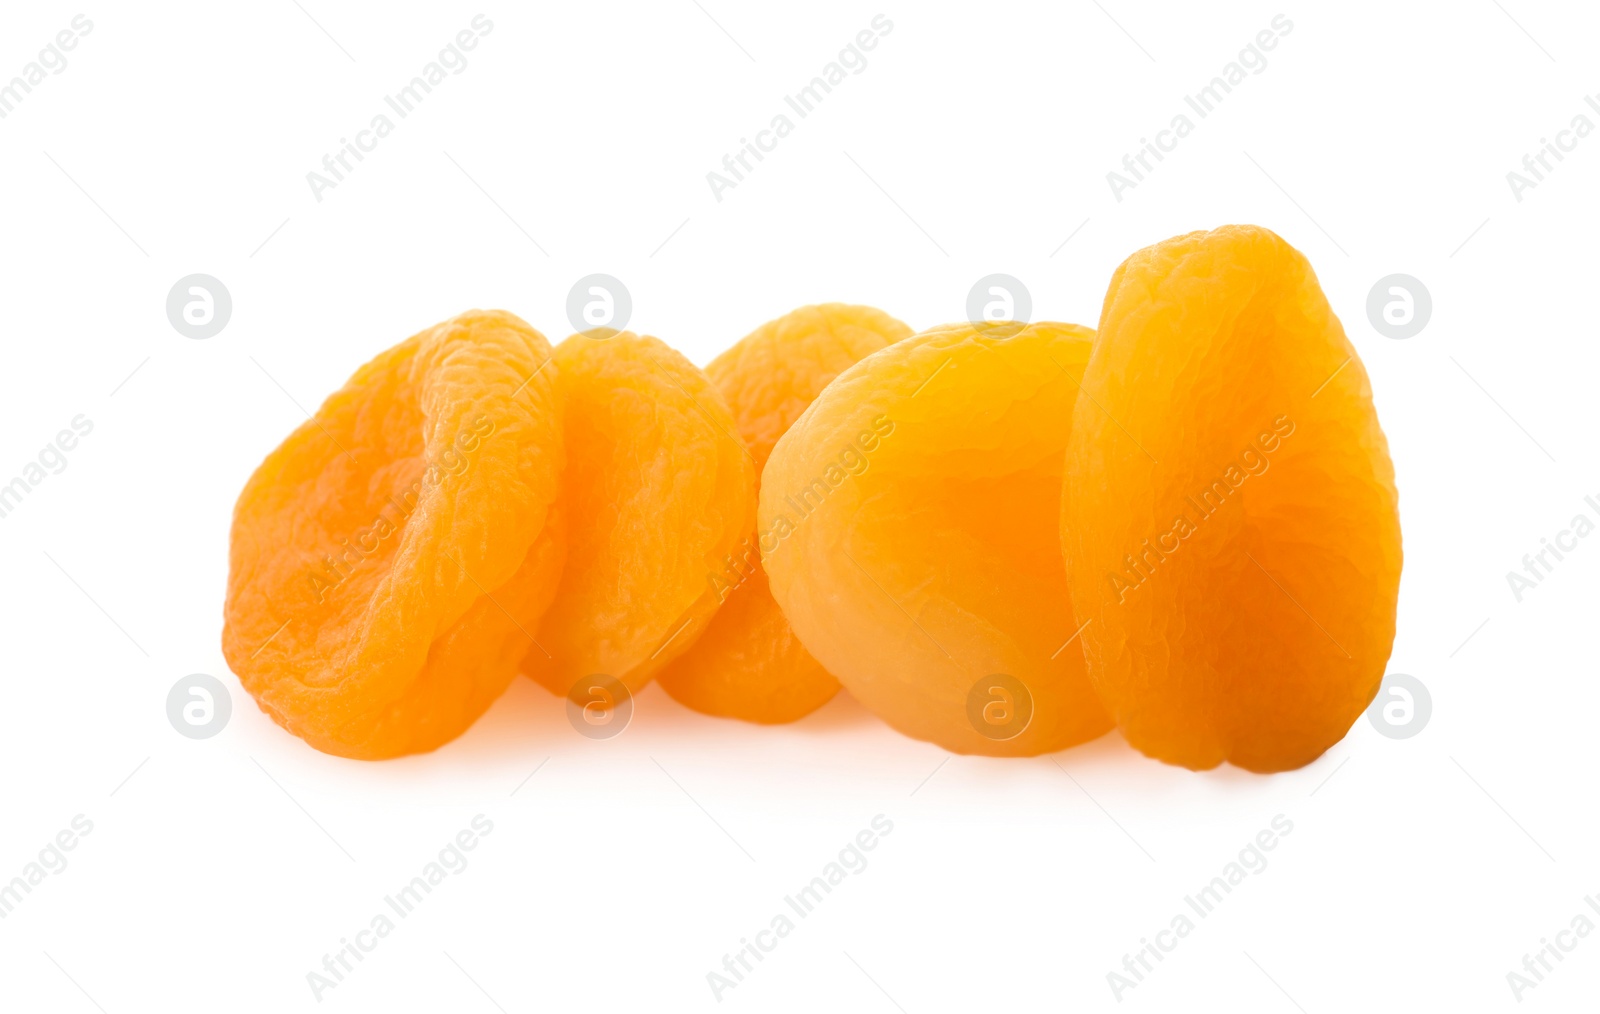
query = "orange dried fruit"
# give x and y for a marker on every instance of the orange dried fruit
(748, 664)
(658, 491)
(1231, 523)
(385, 556)
(908, 521)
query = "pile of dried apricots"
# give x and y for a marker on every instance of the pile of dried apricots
(1004, 538)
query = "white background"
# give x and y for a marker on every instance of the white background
(219, 872)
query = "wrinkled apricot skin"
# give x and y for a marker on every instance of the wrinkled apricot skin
(379, 555)
(658, 491)
(907, 525)
(748, 664)
(1230, 523)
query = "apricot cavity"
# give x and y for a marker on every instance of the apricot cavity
(385, 557)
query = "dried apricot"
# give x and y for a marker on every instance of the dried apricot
(1230, 523)
(658, 492)
(385, 558)
(907, 524)
(748, 664)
